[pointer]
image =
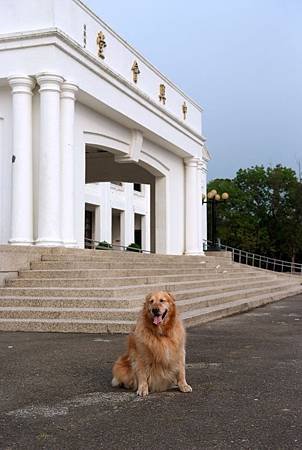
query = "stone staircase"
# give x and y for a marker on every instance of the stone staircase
(102, 291)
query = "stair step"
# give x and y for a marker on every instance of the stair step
(103, 292)
(123, 281)
(66, 326)
(120, 311)
(196, 317)
(126, 291)
(104, 273)
(132, 256)
(125, 326)
(70, 302)
(78, 264)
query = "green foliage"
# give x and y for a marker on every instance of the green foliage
(133, 247)
(104, 245)
(264, 212)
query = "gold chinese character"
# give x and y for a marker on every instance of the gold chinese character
(184, 110)
(101, 43)
(162, 93)
(84, 35)
(135, 71)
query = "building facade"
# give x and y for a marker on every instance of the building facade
(118, 214)
(78, 105)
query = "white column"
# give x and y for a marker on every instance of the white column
(192, 231)
(200, 205)
(1, 181)
(127, 218)
(146, 220)
(22, 160)
(68, 91)
(106, 213)
(161, 208)
(204, 173)
(49, 223)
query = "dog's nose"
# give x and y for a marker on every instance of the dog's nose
(156, 311)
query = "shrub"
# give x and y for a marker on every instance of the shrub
(133, 247)
(104, 245)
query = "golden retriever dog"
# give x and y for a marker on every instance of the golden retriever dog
(155, 359)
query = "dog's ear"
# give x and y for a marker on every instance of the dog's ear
(171, 297)
(148, 298)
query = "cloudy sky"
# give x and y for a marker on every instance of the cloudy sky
(240, 59)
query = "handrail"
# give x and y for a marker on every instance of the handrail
(255, 260)
(94, 244)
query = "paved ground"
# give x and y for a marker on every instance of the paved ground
(245, 371)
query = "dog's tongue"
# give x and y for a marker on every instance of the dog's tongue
(157, 320)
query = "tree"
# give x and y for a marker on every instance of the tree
(264, 212)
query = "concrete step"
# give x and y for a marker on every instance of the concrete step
(123, 281)
(196, 317)
(124, 313)
(99, 291)
(204, 301)
(132, 256)
(75, 252)
(70, 313)
(78, 264)
(137, 271)
(71, 302)
(66, 325)
(128, 291)
(125, 326)
(185, 299)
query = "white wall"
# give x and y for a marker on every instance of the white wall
(70, 17)
(173, 168)
(153, 157)
(123, 198)
(5, 163)
(110, 108)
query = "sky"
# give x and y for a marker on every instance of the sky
(241, 60)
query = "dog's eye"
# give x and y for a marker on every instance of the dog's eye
(151, 301)
(161, 300)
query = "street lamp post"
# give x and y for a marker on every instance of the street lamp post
(213, 198)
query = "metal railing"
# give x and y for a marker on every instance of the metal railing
(97, 245)
(260, 261)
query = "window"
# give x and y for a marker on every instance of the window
(137, 187)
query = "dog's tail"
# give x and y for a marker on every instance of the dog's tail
(123, 373)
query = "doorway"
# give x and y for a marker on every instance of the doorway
(116, 227)
(138, 229)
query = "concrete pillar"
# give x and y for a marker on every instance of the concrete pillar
(1, 179)
(204, 173)
(127, 218)
(146, 221)
(49, 213)
(200, 205)
(159, 212)
(68, 91)
(106, 213)
(192, 232)
(22, 160)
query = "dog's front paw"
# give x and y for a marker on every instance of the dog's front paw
(184, 387)
(143, 390)
(115, 382)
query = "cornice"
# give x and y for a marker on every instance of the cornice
(136, 53)
(112, 77)
(206, 154)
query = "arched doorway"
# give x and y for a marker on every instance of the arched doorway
(107, 165)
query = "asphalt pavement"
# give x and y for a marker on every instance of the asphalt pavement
(245, 371)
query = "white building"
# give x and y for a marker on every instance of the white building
(79, 105)
(117, 213)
